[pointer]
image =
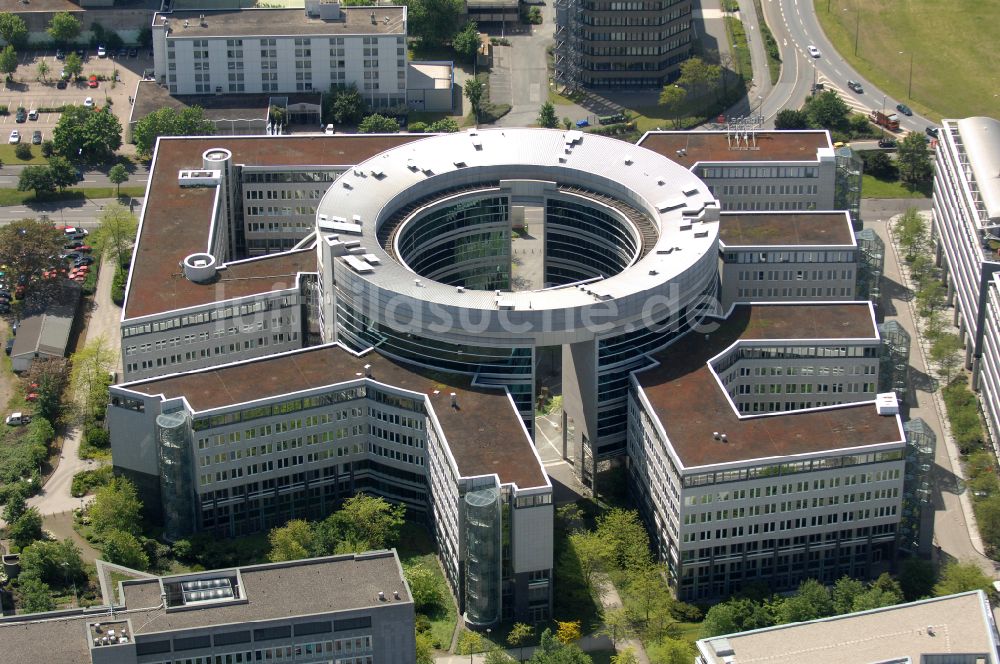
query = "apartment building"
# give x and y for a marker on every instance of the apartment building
(611, 45)
(955, 628)
(787, 256)
(284, 50)
(804, 479)
(244, 447)
(966, 217)
(350, 609)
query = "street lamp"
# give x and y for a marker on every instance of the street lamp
(909, 87)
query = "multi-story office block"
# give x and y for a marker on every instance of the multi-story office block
(737, 491)
(284, 50)
(954, 628)
(989, 361)
(759, 170)
(245, 447)
(615, 45)
(787, 256)
(350, 609)
(966, 218)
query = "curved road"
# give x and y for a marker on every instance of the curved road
(795, 28)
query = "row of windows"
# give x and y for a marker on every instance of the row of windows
(219, 313)
(792, 487)
(766, 189)
(797, 275)
(743, 257)
(789, 524)
(337, 649)
(759, 206)
(827, 463)
(805, 388)
(779, 370)
(790, 505)
(283, 194)
(758, 172)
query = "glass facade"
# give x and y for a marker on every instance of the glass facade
(483, 549)
(173, 434)
(583, 242)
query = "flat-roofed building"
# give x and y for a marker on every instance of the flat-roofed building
(284, 50)
(954, 629)
(736, 495)
(244, 447)
(787, 256)
(353, 608)
(966, 221)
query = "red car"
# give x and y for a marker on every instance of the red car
(92, 81)
(84, 248)
(31, 396)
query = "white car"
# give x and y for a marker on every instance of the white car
(15, 137)
(102, 52)
(813, 51)
(88, 102)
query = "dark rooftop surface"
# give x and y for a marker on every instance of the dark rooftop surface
(713, 146)
(283, 22)
(484, 432)
(781, 228)
(691, 404)
(176, 219)
(151, 96)
(277, 591)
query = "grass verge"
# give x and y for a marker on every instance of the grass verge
(15, 197)
(8, 158)
(416, 546)
(872, 187)
(741, 50)
(770, 45)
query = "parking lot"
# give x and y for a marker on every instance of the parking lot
(27, 91)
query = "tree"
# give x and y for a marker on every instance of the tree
(670, 651)
(931, 297)
(845, 591)
(698, 76)
(124, 549)
(64, 174)
(616, 625)
(474, 91)
(425, 587)
(13, 29)
(55, 563)
(627, 537)
(16, 503)
(875, 598)
(190, 121)
(37, 178)
(347, 107)
(518, 634)
(547, 116)
(737, 615)
(962, 577)
(672, 99)
(63, 28)
(552, 651)
(791, 118)
(945, 350)
(293, 541)
(443, 126)
(118, 175)
(8, 61)
(916, 578)
(470, 642)
(43, 70)
(811, 601)
(650, 597)
(26, 529)
(363, 523)
(911, 230)
(90, 378)
(827, 110)
(378, 124)
(425, 648)
(116, 234)
(568, 632)
(25, 247)
(591, 555)
(277, 115)
(879, 165)
(73, 65)
(85, 133)
(914, 159)
(626, 656)
(466, 42)
(434, 22)
(116, 506)
(496, 655)
(34, 596)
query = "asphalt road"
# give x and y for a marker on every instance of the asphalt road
(10, 173)
(75, 213)
(795, 28)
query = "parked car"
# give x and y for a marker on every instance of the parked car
(88, 102)
(60, 54)
(31, 396)
(887, 143)
(85, 248)
(20, 115)
(904, 109)
(102, 52)
(133, 52)
(582, 123)
(82, 53)
(61, 84)
(4, 307)
(33, 115)
(931, 131)
(9, 348)
(74, 244)
(15, 137)
(854, 85)
(17, 419)
(84, 260)
(5, 294)
(36, 137)
(122, 52)
(92, 81)
(813, 51)
(72, 230)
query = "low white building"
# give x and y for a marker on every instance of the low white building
(736, 495)
(284, 50)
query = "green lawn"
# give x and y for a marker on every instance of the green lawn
(956, 65)
(416, 546)
(7, 153)
(15, 197)
(874, 188)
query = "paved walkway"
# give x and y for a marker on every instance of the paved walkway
(55, 497)
(955, 531)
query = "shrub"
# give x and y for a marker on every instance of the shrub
(47, 149)
(4, 110)
(88, 480)
(118, 286)
(417, 127)
(22, 151)
(963, 415)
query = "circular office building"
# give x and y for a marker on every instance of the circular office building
(524, 258)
